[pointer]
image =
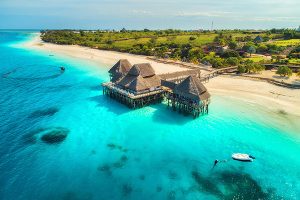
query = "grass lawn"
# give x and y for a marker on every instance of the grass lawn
(284, 43)
(256, 58)
(294, 61)
(179, 39)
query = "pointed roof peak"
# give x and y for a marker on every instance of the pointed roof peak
(122, 66)
(143, 69)
(192, 88)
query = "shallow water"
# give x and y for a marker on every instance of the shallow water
(112, 152)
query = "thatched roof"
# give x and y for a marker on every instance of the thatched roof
(192, 88)
(258, 39)
(138, 84)
(120, 69)
(143, 69)
(139, 78)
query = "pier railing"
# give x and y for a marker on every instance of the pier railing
(179, 76)
(129, 94)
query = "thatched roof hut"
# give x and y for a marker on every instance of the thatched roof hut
(193, 89)
(119, 69)
(140, 78)
(258, 39)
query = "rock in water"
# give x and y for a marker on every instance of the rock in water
(43, 113)
(55, 135)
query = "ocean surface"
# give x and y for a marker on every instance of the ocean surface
(112, 152)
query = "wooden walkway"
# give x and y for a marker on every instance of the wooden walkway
(206, 77)
(177, 77)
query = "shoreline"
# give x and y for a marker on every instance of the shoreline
(275, 98)
(101, 57)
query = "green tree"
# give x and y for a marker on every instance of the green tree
(230, 53)
(232, 61)
(192, 38)
(262, 48)
(284, 71)
(251, 50)
(232, 45)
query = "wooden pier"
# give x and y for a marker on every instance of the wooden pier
(139, 86)
(188, 97)
(182, 105)
(130, 99)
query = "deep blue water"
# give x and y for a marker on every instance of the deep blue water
(112, 152)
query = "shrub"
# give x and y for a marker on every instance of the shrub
(193, 38)
(252, 67)
(232, 61)
(230, 53)
(217, 62)
(284, 71)
(232, 45)
(262, 48)
(241, 69)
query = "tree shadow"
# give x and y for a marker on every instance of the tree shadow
(296, 82)
(280, 77)
(111, 104)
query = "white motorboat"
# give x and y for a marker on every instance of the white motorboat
(242, 157)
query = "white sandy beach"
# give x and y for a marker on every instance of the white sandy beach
(270, 96)
(99, 56)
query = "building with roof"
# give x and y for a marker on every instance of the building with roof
(190, 96)
(258, 39)
(139, 86)
(119, 69)
(141, 78)
(135, 87)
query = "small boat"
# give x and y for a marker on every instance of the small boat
(242, 157)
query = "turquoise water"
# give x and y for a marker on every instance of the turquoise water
(112, 152)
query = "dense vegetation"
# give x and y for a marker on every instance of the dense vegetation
(218, 48)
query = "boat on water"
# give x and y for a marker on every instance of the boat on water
(242, 157)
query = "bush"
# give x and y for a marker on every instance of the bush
(193, 38)
(230, 53)
(232, 61)
(217, 62)
(241, 69)
(232, 45)
(251, 67)
(284, 71)
(262, 48)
